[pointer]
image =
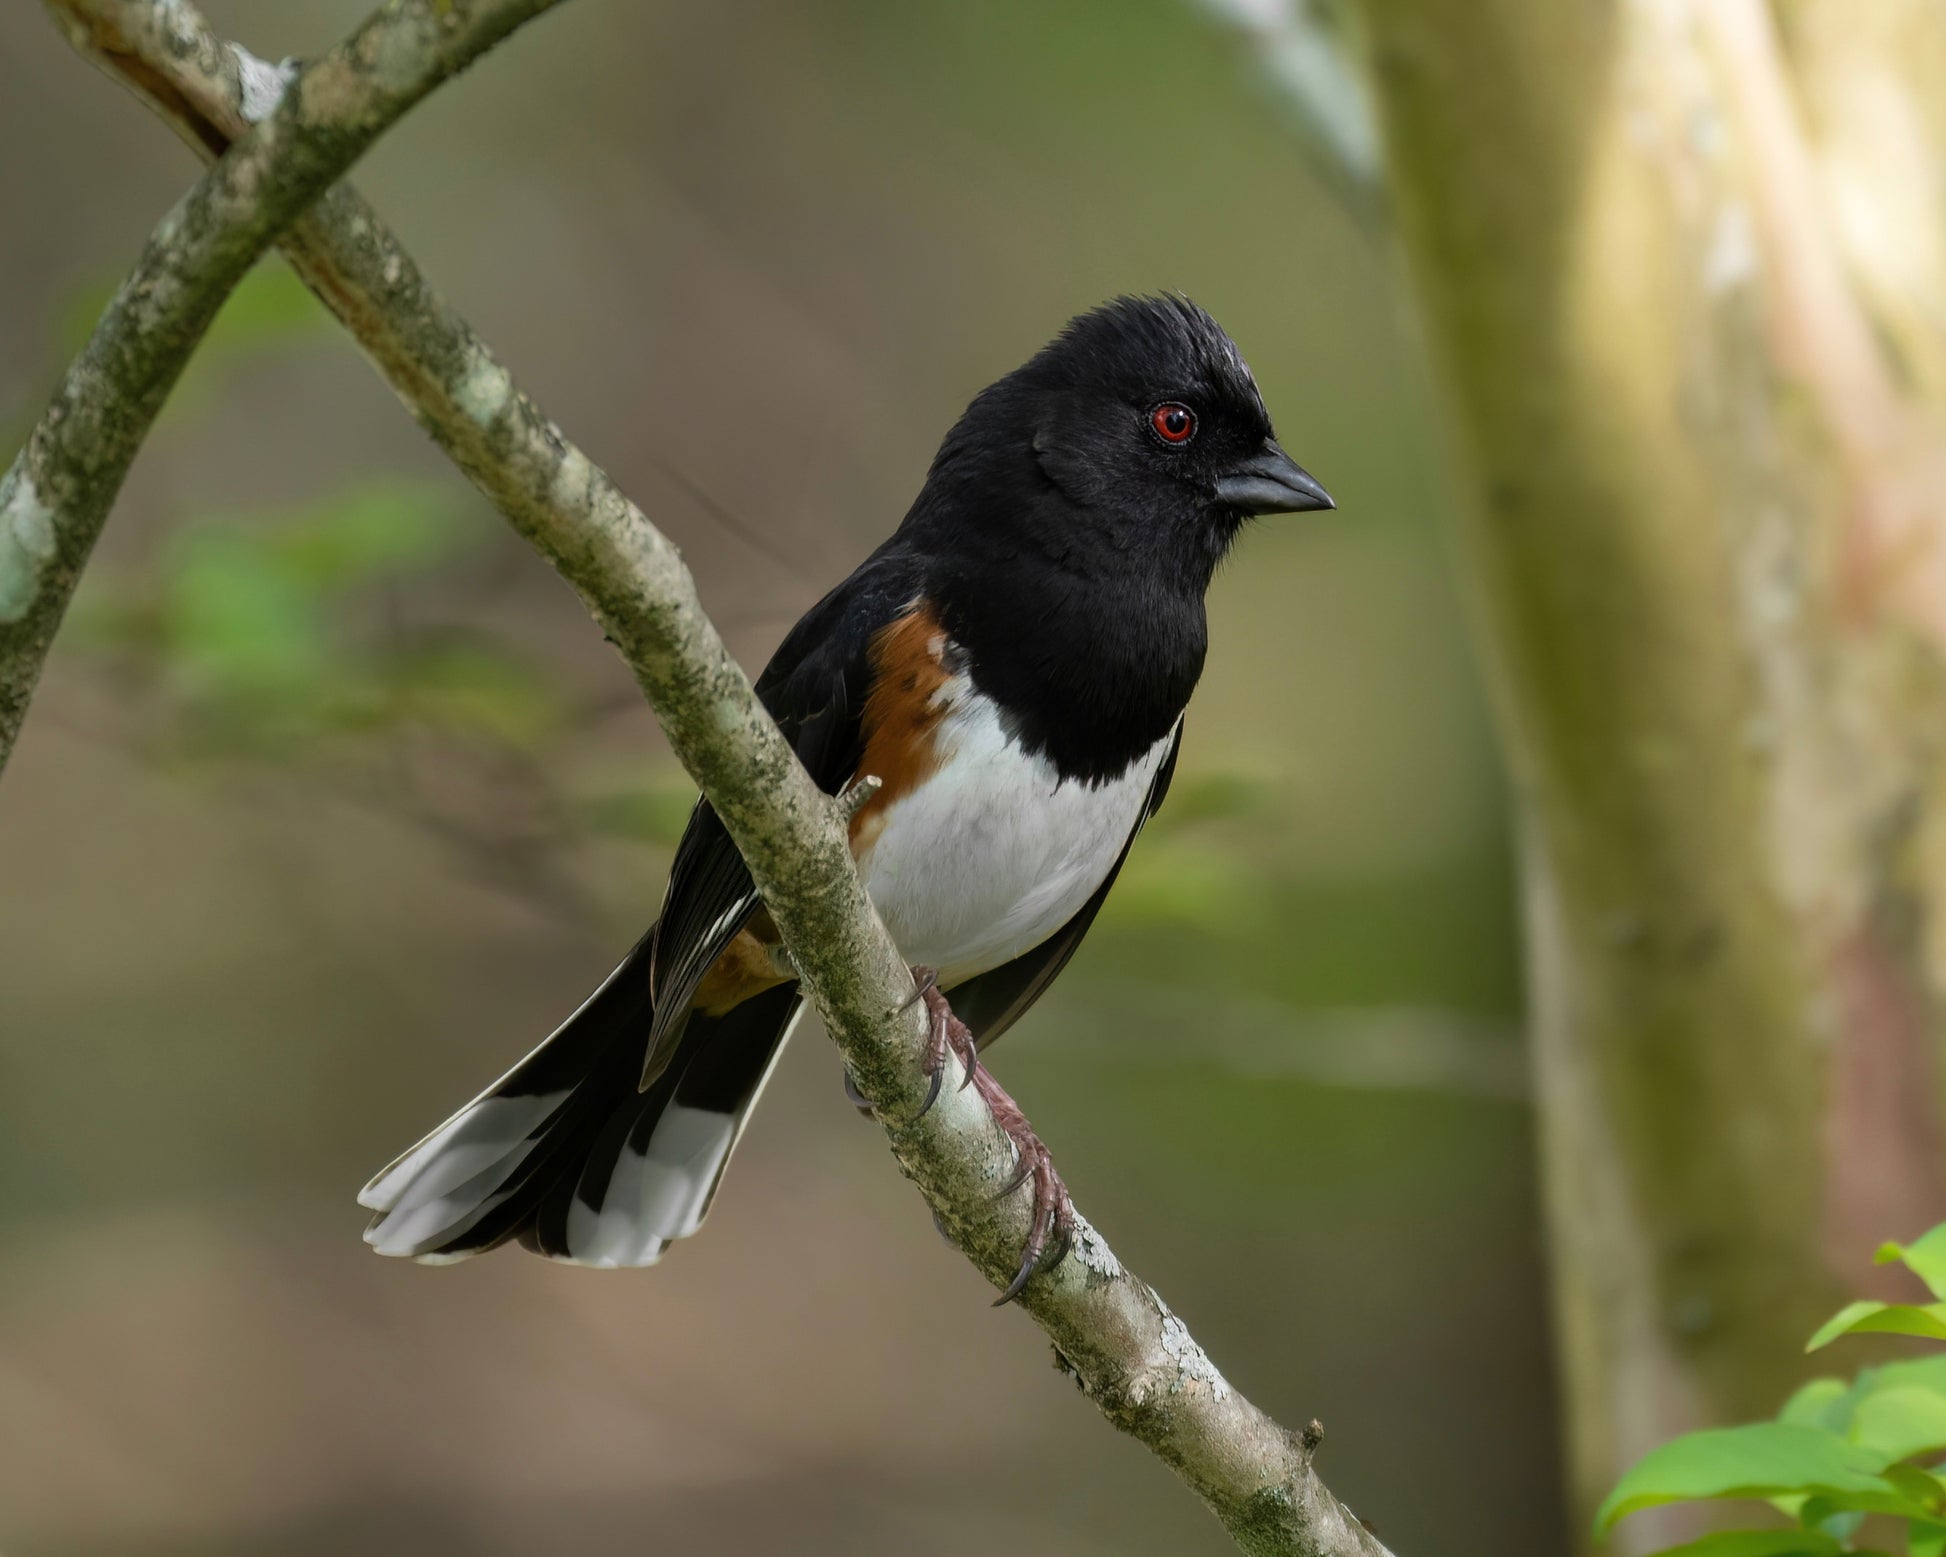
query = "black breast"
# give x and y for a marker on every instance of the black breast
(1090, 670)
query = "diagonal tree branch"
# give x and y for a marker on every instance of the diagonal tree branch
(1110, 1330)
(56, 496)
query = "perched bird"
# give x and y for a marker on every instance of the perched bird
(1012, 665)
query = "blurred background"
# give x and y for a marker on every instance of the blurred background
(333, 802)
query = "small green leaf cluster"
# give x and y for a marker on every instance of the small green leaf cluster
(1838, 1453)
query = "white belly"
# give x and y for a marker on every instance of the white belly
(993, 853)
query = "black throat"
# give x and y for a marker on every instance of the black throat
(1088, 635)
(1090, 679)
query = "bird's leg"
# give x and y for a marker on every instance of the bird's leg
(945, 1034)
(1052, 1228)
(1053, 1222)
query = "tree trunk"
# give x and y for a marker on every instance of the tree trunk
(1681, 261)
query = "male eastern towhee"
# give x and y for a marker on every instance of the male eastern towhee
(1013, 666)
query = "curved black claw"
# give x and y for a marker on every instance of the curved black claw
(946, 1034)
(1019, 1284)
(1023, 1169)
(924, 982)
(1037, 1258)
(1050, 1217)
(857, 1099)
(932, 1092)
(1051, 1231)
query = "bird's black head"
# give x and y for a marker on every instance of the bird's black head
(1144, 418)
(1073, 518)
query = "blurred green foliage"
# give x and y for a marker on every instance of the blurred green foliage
(1839, 1452)
(252, 633)
(246, 625)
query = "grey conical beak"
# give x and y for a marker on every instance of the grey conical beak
(1271, 482)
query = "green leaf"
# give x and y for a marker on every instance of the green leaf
(1823, 1514)
(1928, 1373)
(1760, 1460)
(1819, 1403)
(1759, 1543)
(1925, 1257)
(1921, 1489)
(1900, 1422)
(1839, 1513)
(1926, 1540)
(1864, 1318)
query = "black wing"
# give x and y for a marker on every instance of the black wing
(815, 688)
(993, 1001)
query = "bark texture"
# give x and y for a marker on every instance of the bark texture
(1681, 262)
(1112, 1333)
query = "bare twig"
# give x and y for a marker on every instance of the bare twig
(857, 795)
(1120, 1341)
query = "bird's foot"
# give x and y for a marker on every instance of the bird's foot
(1052, 1228)
(945, 1034)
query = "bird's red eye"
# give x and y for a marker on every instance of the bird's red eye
(1173, 423)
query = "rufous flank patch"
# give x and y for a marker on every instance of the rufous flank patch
(902, 713)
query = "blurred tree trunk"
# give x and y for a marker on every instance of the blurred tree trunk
(1684, 267)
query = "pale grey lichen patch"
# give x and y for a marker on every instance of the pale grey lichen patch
(26, 542)
(485, 390)
(179, 22)
(397, 57)
(1091, 1252)
(169, 232)
(261, 82)
(1192, 1362)
(572, 479)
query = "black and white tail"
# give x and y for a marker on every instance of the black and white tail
(566, 1155)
